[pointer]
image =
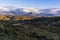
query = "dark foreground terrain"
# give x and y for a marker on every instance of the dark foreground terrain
(42, 28)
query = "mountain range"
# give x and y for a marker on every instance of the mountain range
(9, 10)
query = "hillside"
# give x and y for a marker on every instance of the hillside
(3, 17)
(22, 18)
(42, 28)
(10, 17)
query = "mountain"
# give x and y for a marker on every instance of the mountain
(9, 10)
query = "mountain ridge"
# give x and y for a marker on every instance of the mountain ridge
(7, 10)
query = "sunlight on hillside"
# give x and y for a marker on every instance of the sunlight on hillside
(22, 18)
(2, 17)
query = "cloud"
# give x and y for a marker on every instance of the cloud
(29, 9)
(54, 11)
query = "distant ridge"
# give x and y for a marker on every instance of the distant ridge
(9, 10)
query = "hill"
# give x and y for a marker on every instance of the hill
(11, 17)
(2, 17)
(42, 28)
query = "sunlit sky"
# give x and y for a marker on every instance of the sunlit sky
(42, 4)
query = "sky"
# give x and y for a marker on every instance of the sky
(42, 4)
